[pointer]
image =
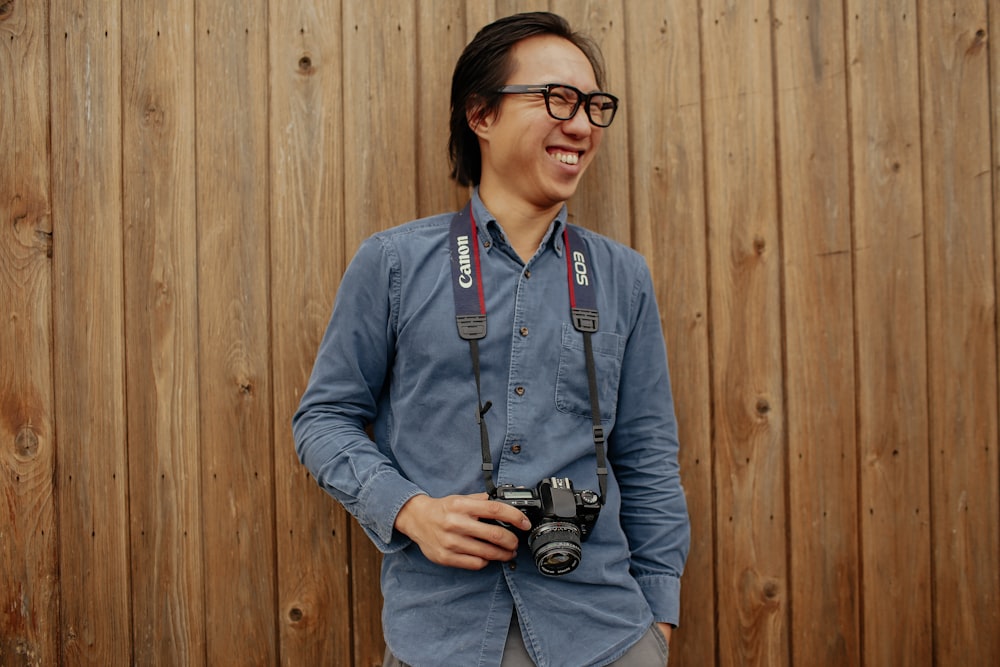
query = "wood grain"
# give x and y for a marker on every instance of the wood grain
(745, 306)
(29, 541)
(88, 333)
(890, 318)
(162, 373)
(961, 332)
(235, 390)
(814, 173)
(307, 250)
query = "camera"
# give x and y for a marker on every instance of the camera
(561, 519)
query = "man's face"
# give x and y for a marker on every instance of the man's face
(528, 156)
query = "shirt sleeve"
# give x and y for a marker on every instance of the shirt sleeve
(343, 394)
(643, 449)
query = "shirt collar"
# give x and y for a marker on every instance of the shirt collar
(489, 228)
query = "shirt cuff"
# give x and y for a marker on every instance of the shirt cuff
(381, 499)
(663, 593)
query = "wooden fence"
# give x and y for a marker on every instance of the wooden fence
(813, 182)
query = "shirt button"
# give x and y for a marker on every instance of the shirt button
(516, 449)
(486, 244)
(527, 273)
(519, 391)
(524, 331)
(512, 565)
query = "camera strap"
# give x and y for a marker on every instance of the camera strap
(470, 316)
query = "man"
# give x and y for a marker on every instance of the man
(462, 341)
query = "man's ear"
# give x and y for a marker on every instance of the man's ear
(479, 121)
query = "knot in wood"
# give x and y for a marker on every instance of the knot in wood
(44, 242)
(153, 116)
(6, 9)
(26, 443)
(759, 245)
(978, 42)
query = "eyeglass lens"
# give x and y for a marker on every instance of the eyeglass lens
(564, 101)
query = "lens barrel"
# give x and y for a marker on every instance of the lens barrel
(555, 546)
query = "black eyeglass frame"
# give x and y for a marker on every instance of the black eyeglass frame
(581, 98)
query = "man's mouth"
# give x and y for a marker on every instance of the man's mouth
(565, 157)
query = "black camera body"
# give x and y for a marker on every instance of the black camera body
(561, 518)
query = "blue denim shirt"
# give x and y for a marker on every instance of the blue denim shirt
(391, 357)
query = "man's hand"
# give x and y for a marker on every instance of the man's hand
(666, 629)
(449, 531)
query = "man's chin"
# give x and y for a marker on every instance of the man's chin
(563, 186)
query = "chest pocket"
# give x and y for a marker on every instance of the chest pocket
(572, 392)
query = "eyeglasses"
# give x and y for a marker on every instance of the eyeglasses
(563, 101)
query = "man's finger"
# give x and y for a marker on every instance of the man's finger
(498, 511)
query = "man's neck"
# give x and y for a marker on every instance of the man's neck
(523, 223)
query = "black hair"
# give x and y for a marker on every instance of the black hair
(483, 68)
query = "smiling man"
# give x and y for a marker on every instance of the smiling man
(523, 481)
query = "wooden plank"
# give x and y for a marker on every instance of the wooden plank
(602, 201)
(379, 192)
(890, 312)
(88, 329)
(441, 36)
(477, 16)
(508, 7)
(747, 393)
(819, 333)
(993, 12)
(962, 337)
(161, 343)
(307, 222)
(29, 543)
(233, 329)
(662, 99)
(379, 65)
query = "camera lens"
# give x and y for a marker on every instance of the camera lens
(555, 546)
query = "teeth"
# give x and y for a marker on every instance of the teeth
(567, 158)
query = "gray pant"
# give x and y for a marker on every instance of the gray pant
(650, 651)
